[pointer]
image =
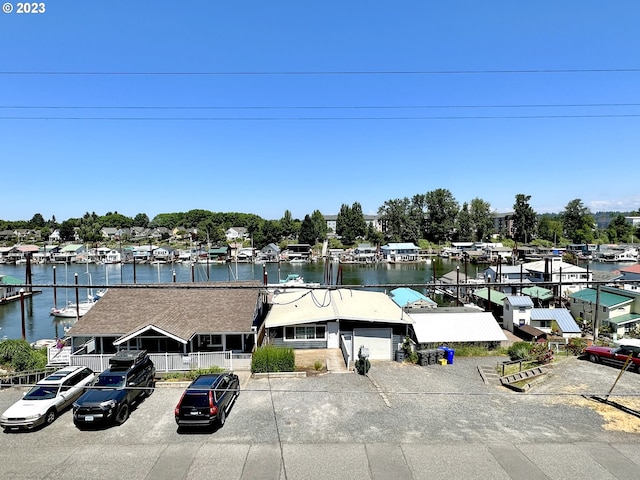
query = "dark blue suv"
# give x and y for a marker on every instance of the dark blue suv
(207, 400)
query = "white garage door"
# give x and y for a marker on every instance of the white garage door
(377, 340)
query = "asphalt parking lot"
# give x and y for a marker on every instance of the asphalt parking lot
(402, 421)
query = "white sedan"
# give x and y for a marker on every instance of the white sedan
(47, 399)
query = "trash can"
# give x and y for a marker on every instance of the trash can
(400, 356)
(449, 353)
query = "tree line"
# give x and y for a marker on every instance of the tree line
(435, 217)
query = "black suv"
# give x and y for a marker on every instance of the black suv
(207, 400)
(130, 376)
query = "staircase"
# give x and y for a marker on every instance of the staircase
(523, 375)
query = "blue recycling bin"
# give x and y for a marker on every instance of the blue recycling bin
(449, 353)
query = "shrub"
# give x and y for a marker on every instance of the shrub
(270, 358)
(317, 365)
(576, 345)
(520, 350)
(192, 374)
(541, 353)
(363, 366)
(20, 356)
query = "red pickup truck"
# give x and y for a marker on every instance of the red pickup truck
(617, 355)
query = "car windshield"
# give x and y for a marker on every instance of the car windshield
(196, 399)
(115, 381)
(42, 393)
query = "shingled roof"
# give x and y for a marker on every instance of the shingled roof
(180, 312)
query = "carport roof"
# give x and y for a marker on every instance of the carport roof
(624, 319)
(538, 292)
(404, 296)
(433, 327)
(496, 297)
(300, 306)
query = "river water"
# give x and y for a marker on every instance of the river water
(39, 324)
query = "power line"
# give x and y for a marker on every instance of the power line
(328, 72)
(313, 107)
(276, 119)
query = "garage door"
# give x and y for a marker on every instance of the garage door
(377, 340)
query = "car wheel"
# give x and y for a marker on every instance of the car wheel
(593, 358)
(50, 416)
(223, 418)
(123, 414)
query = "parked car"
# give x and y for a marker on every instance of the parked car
(130, 377)
(207, 400)
(47, 399)
(617, 355)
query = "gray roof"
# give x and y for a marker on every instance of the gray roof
(300, 306)
(520, 301)
(181, 312)
(438, 326)
(562, 316)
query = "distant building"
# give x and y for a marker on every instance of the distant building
(368, 219)
(503, 223)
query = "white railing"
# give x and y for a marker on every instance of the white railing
(346, 348)
(172, 362)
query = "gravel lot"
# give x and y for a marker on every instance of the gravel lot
(290, 427)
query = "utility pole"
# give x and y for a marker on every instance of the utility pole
(595, 316)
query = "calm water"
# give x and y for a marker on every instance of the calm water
(39, 324)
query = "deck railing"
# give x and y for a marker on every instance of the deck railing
(173, 362)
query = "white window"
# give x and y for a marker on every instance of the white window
(305, 332)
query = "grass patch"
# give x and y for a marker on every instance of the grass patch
(475, 351)
(273, 359)
(191, 374)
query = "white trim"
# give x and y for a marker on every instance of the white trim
(130, 336)
(305, 325)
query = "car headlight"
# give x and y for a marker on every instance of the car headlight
(3, 418)
(33, 417)
(108, 404)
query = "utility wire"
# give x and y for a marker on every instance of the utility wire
(329, 72)
(280, 119)
(311, 107)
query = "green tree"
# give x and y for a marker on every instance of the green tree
(350, 224)
(442, 210)
(393, 215)
(271, 232)
(114, 220)
(90, 232)
(464, 231)
(481, 219)
(286, 224)
(619, 230)
(141, 220)
(171, 221)
(37, 221)
(373, 236)
(307, 232)
(67, 230)
(550, 229)
(319, 225)
(578, 222)
(524, 219)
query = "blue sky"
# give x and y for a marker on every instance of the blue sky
(251, 106)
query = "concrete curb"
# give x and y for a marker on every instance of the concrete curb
(280, 375)
(163, 384)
